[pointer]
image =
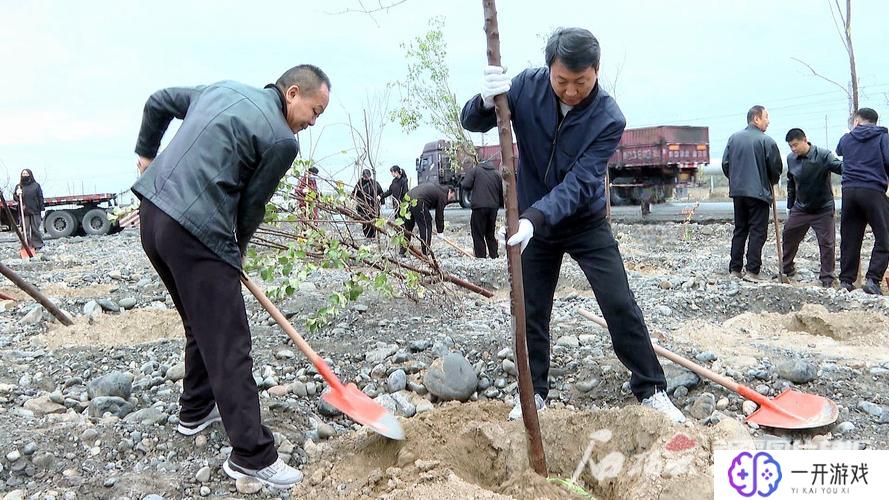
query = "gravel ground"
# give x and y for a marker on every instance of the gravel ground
(91, 411)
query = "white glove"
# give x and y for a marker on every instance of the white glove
(523, 235)
(494, 82)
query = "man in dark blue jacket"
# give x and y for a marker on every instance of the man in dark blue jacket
(752, 163)
(810, 203)
(865, 152)
(566, 127)
(202, 198)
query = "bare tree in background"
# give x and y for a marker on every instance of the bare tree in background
(842, 20)
(369, 9)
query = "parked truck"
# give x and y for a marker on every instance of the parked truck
(68, 215)
(649, 163)
(435, 165)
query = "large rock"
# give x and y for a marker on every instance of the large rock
(397, 381)
(147, 416)
(379, 354)
(451, 378)
(797, 371)
(176, 372)
(119, 384)
(118, 407)
(680, 377)
(43, 405)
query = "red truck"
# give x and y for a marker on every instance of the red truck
(648, 163)
(72, 214)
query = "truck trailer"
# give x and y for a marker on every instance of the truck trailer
(69, 215)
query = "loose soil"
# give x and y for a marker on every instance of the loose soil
(139, 326)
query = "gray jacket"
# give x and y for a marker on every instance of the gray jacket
(752, 163)
(222, 166)
(486, 185)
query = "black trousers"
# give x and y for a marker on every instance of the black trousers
(751, 219)
(795, 229)
(595, 250)
(422, 219)
(218, 365)
(482, 224)
(32, 224)
(368, 213)
(863, 207)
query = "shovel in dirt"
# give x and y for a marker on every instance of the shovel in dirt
(788, 410)
(345, 398)
(782, 278)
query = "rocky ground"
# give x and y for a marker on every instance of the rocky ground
(90, 411)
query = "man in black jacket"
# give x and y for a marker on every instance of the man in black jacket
(865, 152)
(752, 163)
(487, 197)
(566, 127)
(367, 195)
(427, 196)
(202, 198)
(810, 203)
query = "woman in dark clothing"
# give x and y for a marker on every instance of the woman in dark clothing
(398, 187)
(30, 194)
(367, 200)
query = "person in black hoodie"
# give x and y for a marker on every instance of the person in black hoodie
(367, 195)
(30, 194)
(566, 127)
(865, 152)
(810, 203)
(428, 196)
(752, 163)
(487, 197)
(398, 186)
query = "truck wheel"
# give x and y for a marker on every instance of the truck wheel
(465, 197)
(60, 224)
(95, 222)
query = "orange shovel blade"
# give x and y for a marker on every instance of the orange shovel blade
(795, 410)
(360, 408)
(23, 252)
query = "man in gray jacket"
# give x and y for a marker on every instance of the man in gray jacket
(202, 198)
(752, 163)
(487, 197)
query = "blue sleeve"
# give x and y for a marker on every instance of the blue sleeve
(884, 141)
(840, 146)
(582, 184)
(475, 118)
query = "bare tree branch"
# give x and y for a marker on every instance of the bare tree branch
(819, 75)
(370, 11)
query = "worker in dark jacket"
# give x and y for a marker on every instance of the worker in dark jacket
(367, 196)
(398, 186)
(427, 196)
(29, 193)
(202, 198)
(810, 203)
(486, 185)
(566, 127)
(865, 152)
(752, 163)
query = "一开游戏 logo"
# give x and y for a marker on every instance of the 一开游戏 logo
(757, 474)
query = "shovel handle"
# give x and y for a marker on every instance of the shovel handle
(319, 363)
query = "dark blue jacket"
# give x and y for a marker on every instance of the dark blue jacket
(561, 165)
(865, 152)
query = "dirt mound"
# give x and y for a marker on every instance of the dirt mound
(127, 328)
(470, 451)
(61, 290)
(849, 335)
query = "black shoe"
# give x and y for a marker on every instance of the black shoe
(847, 286)
(827, 284)
(872, 287)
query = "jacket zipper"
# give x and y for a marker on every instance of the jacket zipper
(553, 150)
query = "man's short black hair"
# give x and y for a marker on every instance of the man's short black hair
(576, 48)
(795, 134)
(868, 115)
(313, 170)
(755, 112)
(306, 76)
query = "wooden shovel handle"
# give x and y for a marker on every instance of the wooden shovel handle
(319, 363)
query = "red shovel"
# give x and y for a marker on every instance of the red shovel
(345, 398)
(788, 410)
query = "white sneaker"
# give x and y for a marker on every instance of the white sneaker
(192, 428)
(516, 412)
(278, 475)
(661, 402)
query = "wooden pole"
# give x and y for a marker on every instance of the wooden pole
(35, 293)
(456, 246)
(536, 456)
(17, 230)
(781, 277)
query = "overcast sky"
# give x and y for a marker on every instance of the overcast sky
(75, 75)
